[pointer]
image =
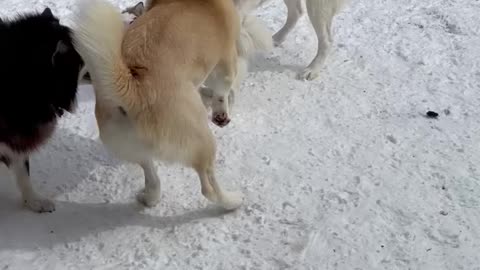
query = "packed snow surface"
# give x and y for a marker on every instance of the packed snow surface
(344, 172)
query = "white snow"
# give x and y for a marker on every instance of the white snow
(339, 173)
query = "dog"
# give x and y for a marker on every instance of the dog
(253, 37)
(39, 73)
(146, 80)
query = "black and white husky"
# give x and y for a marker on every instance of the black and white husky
(39, 72)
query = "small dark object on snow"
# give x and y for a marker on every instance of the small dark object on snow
(432, 114)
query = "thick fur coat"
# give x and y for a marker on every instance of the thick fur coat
(39, 75)
(146, 81)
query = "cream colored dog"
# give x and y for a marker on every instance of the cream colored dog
(146, 81)
(254, 36)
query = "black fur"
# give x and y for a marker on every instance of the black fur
(39, 70)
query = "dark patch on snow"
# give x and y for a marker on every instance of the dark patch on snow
(392, 139)
(432, 114)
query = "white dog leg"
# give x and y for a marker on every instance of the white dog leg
(21, 170)
(321, 18)
(150, 196)
(295, 11)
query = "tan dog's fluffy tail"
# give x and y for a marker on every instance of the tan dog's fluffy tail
(98, 33)
(253, 36)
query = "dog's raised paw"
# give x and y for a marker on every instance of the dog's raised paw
(149, 199)
(231, 200)
(40, 205)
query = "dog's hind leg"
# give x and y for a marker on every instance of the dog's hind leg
(203, 163)
(321, 16)
(212, 191)
(295, 11)
(21, 170)
(150, 196)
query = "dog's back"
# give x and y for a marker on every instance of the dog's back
(169, 26)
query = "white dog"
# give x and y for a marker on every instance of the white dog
(321, 14)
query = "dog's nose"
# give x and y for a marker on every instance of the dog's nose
(221, 119)
(221, 116)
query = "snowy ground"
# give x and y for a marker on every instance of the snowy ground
(340, 173)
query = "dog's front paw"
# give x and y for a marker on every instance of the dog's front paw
(148, 198)
(39, 204)
(231, 200)
(308, 74)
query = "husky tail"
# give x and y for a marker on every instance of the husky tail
(253, 36)
(97, 34)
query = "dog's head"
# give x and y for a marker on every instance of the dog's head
(66, 63)
(220, 103)
(57, 40)
(40, 69)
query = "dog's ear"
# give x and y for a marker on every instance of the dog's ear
(61, 48)
(138, 9)
(47, 12)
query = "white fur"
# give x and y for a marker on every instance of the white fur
(253, 36)
(30, 198)
(98, 36)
